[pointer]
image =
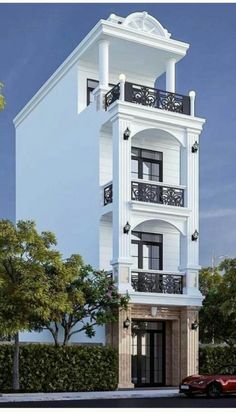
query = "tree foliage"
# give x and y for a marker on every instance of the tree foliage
(26, 295)
(218, 314)
(39, 290)
(92, 300)
(2, 98)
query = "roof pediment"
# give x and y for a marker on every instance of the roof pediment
(142, 21)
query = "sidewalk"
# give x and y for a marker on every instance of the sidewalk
(120, 394)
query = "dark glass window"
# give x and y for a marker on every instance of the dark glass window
(91, 85)
(146, 250)
(147, 164)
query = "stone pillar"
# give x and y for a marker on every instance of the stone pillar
(120, 338)
(170, 75)
(104, 63)
(189, 342)
(176, 360)
(121, 260)
(124, 350)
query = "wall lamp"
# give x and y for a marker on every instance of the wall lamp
(126, 134)
(194, 325)
(195, 235)
(126, 228)
(195, 147)
(126, 323)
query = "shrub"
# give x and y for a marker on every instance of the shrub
(46, 368)
(212, 358)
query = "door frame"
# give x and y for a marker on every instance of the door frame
(151, 332)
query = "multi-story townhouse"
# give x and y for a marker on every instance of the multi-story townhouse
(111, 164)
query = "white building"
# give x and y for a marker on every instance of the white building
(111, 164)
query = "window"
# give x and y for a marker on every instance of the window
(146, 250)
(146, 164)
(91, 85)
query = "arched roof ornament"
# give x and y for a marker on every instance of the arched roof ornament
(142, 21)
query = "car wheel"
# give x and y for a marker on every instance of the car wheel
(214, 390)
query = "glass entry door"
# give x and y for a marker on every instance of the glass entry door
(148, 353)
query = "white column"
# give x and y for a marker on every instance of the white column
(190, 178)
(170, 75)
(121, 260)
(104, 63)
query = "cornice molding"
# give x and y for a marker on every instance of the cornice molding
(150, 115)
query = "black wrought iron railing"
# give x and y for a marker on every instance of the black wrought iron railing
(151, 282)
(157, 194)
(112, 95)
(107, 195)
(148, 96)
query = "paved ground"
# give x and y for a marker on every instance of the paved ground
(180, 402)
(120, 394)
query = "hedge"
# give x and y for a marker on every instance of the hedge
(212, 358)
(46, 368)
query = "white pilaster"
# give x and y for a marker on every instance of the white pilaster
(190, 248)
(121, 197)
(170, 75)
(104, 63)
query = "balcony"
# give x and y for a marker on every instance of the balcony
(157, 194)
(148, 96)
(147, 192)
(150, 281)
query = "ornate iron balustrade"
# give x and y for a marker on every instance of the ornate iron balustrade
(148, 96)
(149, 282)
(108, 194)
(158, 194)
(112, 95)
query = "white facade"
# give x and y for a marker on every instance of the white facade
(69, 152)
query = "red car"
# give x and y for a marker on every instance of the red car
(212, 385)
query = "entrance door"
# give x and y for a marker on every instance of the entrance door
(148, 353)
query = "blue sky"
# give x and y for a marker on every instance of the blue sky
(36, 38)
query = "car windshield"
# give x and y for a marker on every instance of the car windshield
(227, 370)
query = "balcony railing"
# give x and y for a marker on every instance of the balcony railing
(148, 96)
(157, 282)
(157, 194)
(146, 192)
(107, 194)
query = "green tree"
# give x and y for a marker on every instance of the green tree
(26, 295)
(218, 313)
(93, 300)
(227, 291)
(2, 98)
(210, 316)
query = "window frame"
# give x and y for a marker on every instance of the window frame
(141, 243)
(90, 89)
(141, 159)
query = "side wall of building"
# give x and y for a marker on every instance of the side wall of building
(57, 175)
